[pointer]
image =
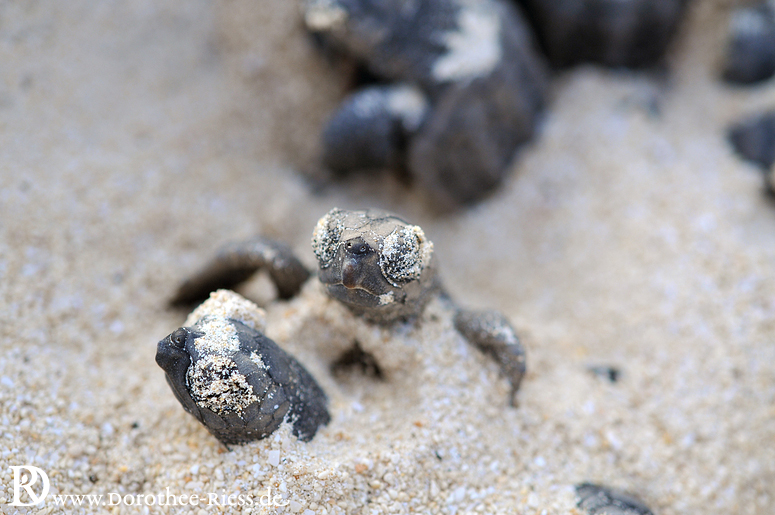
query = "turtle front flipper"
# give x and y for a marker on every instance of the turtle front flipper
(492, 333)
(236, 262)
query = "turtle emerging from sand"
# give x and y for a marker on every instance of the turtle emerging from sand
(241, 385)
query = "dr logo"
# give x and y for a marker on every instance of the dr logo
(24, 477)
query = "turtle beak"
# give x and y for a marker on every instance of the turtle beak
(350, 278)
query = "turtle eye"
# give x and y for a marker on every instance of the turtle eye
(178, 338)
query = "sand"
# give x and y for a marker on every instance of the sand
(135, 138)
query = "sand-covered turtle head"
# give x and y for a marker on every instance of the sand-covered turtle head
(375, 263)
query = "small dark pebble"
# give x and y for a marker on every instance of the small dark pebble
(633, 33)
(750, 54)
(754, 139)
(605, 372)
(599, 500)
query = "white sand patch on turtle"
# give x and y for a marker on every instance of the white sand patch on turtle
(322, 15)
(219, 337)
(227, 304)
(409, 104)
(474, 49)
(215, 383)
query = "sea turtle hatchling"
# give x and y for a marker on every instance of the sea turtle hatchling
(233, 379)
(380, 267)
(460, 87)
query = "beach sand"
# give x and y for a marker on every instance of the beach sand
(137, 137)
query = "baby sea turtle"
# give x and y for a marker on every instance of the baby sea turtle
(614, 33)
(750, 54)
(461, 86)
(374, 263)
(753, 139)
(233, 379)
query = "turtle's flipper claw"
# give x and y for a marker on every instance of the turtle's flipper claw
(492, 333)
